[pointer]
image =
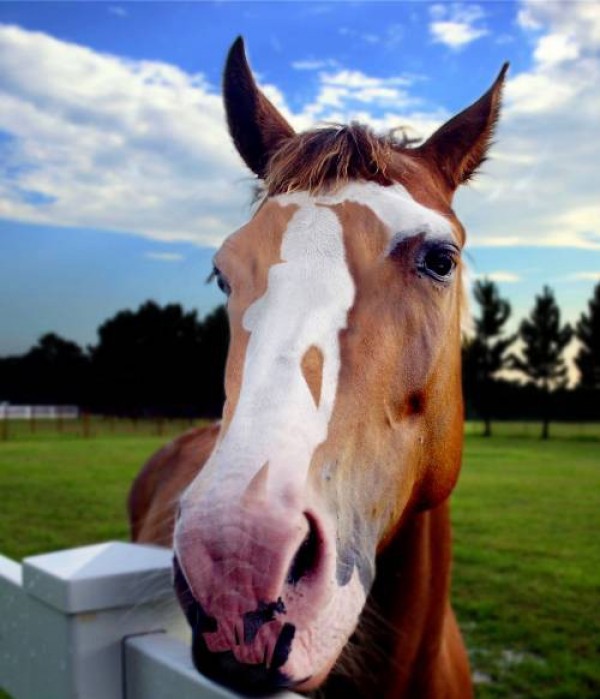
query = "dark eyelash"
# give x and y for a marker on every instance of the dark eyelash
(222, 282)
(211, 277)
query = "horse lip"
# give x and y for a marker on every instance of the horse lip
(246, 678)
(197, 618)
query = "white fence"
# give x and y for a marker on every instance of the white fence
(98, 622)
(38, 412)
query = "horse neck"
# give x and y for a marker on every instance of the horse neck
(407, 643)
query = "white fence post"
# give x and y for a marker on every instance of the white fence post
(63, 617)
(93, 623)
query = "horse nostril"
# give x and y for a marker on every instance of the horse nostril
(307, 556)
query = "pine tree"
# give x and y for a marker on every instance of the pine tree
(544, 342)
(588, 333)
(485, 355)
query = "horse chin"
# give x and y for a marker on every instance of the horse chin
(314, 681)
(304, 670)
(296, 656)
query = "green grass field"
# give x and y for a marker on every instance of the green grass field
(526, 525)
(527, 566)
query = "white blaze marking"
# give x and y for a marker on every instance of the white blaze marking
(395, 207)
(306, 303)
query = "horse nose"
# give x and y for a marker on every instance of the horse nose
(303, 564)
(251, 547)
(248, 579)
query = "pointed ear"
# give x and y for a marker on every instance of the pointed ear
(256, 127)
(459, 147)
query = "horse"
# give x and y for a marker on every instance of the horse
(310, 526)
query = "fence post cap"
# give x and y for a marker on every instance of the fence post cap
(102, 576)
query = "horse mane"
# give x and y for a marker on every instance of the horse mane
(326, 158)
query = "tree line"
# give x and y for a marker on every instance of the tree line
(166, 361)
(535, 354)
(153, 361)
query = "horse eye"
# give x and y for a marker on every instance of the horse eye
(222, 283)
(439, 262)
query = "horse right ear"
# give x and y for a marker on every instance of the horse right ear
(255, 125)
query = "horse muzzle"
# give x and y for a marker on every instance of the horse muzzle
(251, 581)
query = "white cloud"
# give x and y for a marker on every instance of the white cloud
(455, 35)
(501, 277)
(164, 256)
(138, 146)
(456, 25)
(542, 185)
(526, 19)
(585, 276)
(141, 146)
(583, 220)
(580, 19)
(104, 142)
(346, 95)
(538, 92)
(556, 48)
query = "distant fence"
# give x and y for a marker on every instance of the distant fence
(41, 412)
(98, 622)
(90, 426)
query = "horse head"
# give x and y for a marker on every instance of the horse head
(343, 412)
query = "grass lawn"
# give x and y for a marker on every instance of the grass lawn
(526, 525)
(527, 566)
(61, 489)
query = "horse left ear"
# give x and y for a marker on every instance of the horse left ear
(255, 125)
(459, 147)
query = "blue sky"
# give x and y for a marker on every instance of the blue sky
(117, 178)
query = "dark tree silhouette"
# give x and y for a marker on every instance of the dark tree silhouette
(141, 359)
(55, 370)
(54, 349)
(484, 355)
(588, 333)
(211, 362)
(61, 367)
(160, 361)
(544, 342)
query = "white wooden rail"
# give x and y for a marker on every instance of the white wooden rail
(42, 412)
(98, 622)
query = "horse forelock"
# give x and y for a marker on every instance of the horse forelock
(327, 158)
